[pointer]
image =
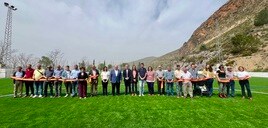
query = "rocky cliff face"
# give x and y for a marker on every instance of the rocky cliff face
(233, 12)
(224, 22)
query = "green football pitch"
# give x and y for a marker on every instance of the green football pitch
(128, 111)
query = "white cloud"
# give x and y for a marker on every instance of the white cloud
(115, 30)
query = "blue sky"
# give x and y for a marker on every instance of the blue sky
(112, 30)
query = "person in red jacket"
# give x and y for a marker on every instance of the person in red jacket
(29, 84)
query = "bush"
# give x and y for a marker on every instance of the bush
(244, 45)
(203, 47)
(261, 18)
(213, 61)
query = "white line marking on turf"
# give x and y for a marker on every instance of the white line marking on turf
(265, 93)
(6, 95)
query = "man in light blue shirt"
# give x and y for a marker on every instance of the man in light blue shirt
(66, 74)
(57, 74)
(194, 72)
(74, 75)
(169, 77)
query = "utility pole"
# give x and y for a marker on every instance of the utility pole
(218, 44)
(6, 51)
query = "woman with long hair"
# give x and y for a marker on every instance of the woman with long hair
(221, 76)
(210, 75)
(134, 80)
(105, 74)
(150, 80)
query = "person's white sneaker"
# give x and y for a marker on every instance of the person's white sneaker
(40, 96)
(80, 97)
(66, 95)
(31, 95)
(51, 96)
(85, 97)
(34, 96)
(139, 95)
(142, 95)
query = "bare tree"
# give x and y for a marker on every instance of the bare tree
(24, 59)
(3, 54)
(57, 57)
(13, 61)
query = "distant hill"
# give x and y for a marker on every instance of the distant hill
(236, 17)
(146, 61)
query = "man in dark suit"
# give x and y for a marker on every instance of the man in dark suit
(93, 75)
(115, 78)
(127, 79)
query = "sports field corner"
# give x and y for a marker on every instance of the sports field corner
(129, 111)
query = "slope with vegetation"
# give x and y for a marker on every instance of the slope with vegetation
(236, 34)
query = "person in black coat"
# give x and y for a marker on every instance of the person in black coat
(127, 79)
(82, 83)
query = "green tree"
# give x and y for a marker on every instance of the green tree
(123, 65)
(261, 18)
(45, 61)
(82, 64)
(245, 45)
(203, 47)
(110, 66)
(101, 66)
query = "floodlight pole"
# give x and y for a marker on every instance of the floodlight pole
(8, 34)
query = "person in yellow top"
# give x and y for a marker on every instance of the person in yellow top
(210, 75)
(37, 75)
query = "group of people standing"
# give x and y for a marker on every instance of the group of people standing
(186, 79)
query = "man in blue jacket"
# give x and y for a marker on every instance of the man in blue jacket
(115, 78)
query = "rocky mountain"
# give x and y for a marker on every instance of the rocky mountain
(210, 42)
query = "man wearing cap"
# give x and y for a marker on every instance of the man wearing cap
(18, 83)
(231, 84)
(48, 75)
(37, 75)
(160, 81)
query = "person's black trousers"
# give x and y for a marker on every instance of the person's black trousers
(29, 86)
(134, 88)
(58, 88)
(243, 84)
(127, 87)
(195, 89)
(50, 84)
(104, 88)
(116, 86)
(161, 90)
(150, 88)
